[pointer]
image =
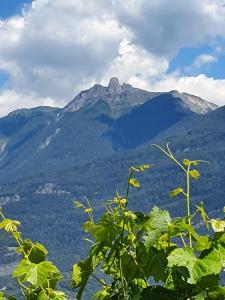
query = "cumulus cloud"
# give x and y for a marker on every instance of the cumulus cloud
(10, 100)
(207, 88)
(200, 63)
(165, 26)
(136, 66)
(56, 48)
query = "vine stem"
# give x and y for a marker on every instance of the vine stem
(188, 203)
(182, 240)
(187, 194)
(122, 234)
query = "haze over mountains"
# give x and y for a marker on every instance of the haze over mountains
(49, 156)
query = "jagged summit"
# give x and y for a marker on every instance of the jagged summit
(114, 94)
(121, 97)
(114, 86)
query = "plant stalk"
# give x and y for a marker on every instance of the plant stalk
(188, 203)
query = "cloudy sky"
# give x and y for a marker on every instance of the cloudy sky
(52, 49)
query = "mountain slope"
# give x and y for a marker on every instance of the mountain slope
(48, 196)
(97, 123)
(53, 156)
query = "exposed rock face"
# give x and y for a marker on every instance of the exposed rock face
(114, 86)
(114, 94)
(125, 96)
(194, 103)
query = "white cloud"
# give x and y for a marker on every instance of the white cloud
(10, 100)
(56, 48)
(207, 88)
(204, 59)
(201, 63)
(164, 26)
(136, 66)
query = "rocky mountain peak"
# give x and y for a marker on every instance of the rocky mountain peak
(124, 96)
(115, 94)
(114, 86)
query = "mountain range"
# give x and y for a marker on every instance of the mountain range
(50, 156)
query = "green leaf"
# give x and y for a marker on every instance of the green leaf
(158, 223)
(2, 297)
(197, 267)
(88, 226)
(140, 168)
(130, 269)
(9, 225)
(203, 243)
(157, 265)
(203, 214)
(194, 174)
(77, 275)
(200, 296)
(218, 225)
(39, 273)
(186, 162)
(36, 252)
(158, 219)
(54, 279)
(159, 293)
(103, 232)
(217, 293)
(51, 294)
(134, 182)
(22, 268)
(82, 272)
(43, 296)
(176, 192)
(102, 294)
(219, 236)
(152, 237)
(36, 274)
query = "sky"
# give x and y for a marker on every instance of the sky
(50, 50)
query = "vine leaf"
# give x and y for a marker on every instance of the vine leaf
(37, 252)
(159, 293)
(157, 264)
(174, 193)
(140, 168)
(156, 225)
(186, 162)
(36, 274)
(197, 267)
(194, 174)
(81, 274)
(134, 182)
(218, 225)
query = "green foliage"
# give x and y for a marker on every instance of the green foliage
(134, 256)
(154, 256)
(36, 276)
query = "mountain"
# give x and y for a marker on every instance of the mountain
(97, 123)
(125, 96)
(119, 97)
(50, 156)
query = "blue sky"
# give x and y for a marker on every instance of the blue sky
(187, 56)
(52, 49)
(9, 8)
